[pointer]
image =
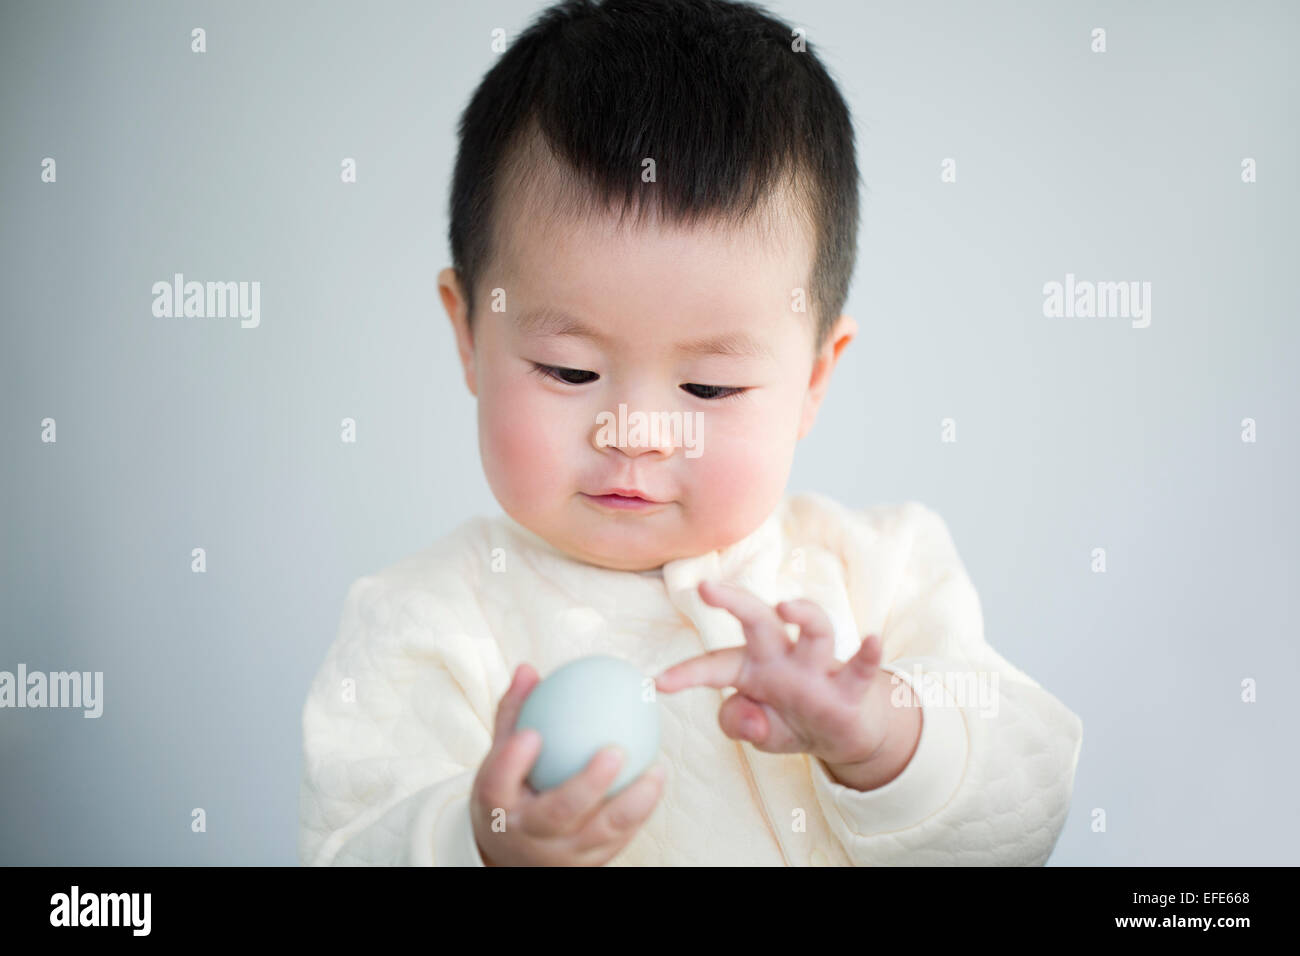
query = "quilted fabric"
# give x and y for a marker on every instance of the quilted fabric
(399, 715)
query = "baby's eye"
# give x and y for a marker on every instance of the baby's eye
(573, 376)
(712, 392)
(559, 374)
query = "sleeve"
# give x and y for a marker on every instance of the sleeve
(394, 728)
(991, 778)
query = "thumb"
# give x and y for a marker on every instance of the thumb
(743, 718)
(521, 685)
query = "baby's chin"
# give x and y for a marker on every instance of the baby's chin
(617, 564)
(602, 554)
(620, 547)
(631, 542)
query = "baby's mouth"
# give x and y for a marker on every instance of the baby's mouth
(620, 502)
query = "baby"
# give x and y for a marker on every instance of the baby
(653, 223)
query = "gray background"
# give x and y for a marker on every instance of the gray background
(1072, 433)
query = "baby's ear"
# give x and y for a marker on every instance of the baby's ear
(846, 329)
(841, 334)
(452, 293)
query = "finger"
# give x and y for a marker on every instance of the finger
(501, 779)
(769, 731)
(764, 632)
(566, 808)
(521, 685)
(720, 668)
(860, 669)
(816, 644)
(624, 813)
(743, 718)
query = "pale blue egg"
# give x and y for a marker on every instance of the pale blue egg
(584, 705)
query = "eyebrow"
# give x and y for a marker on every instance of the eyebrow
(556, 322)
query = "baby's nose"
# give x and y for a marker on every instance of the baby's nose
(636, 431)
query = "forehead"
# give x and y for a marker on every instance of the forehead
(711, 288)
(550, 322)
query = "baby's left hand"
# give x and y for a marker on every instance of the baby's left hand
(792, 697)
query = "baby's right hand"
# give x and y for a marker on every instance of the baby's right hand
(569, 825)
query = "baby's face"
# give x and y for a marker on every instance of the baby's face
(654, 299)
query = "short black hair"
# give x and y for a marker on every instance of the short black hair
(716, 91)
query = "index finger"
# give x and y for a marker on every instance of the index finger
(720, 668)
(764, 631)
(566, 807)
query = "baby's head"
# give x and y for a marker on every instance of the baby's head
(653, 221)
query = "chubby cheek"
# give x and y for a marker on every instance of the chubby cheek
(741, 475)
(521, 442)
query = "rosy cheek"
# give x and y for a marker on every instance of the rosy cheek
(742, 466)
(741, 444)
(526, 447)
(520, 442)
